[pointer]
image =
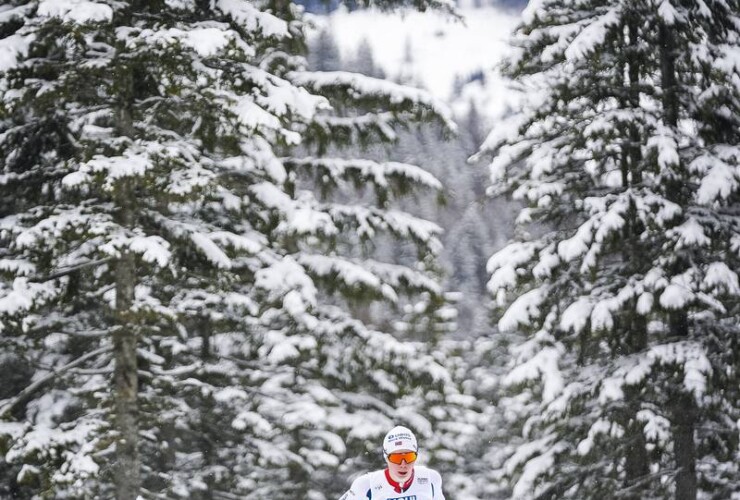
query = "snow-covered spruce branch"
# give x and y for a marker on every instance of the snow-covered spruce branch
(89, 333)
(92, 371)
(360, 87)
(28, 391)
(66, 272)
(381, 173)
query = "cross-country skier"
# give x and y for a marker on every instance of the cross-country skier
(401, 480)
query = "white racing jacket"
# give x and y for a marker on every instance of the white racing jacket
(426, 485)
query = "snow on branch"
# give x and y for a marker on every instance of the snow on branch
(535, 458)
(524, 310)
(350, 273)
(38, 384)
(397, 276)
(542, 366)
(367, 170)
(356, 128)
(719, 172)
(205, 41)
(114, 168)
(23, 296)
(11, 47)
(252, 19)
(382, 277)
(593, 35)
(359, 86)
(285, 276)
(636, 369)
(506, 265)
(152, 248)
(76, 11)
(69, 270)
(301, 216)
(402, 224)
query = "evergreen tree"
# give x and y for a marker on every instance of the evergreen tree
(364, 61)
(622, 277)
(175, 272)
(324, 54)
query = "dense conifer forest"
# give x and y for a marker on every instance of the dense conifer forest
(234, 254)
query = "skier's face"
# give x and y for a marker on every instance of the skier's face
(400, 472)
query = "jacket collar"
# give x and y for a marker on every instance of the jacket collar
(399, 488)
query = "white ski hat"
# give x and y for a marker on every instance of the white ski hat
(399, 438)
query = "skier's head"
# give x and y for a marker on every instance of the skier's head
(399, 439)
(400, 451)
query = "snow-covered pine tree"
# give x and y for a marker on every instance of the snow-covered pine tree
(324, 54)
(364, 61)
(170, 276)
(623, 275)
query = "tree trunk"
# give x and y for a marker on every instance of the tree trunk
(636, 464)
(636, 458)
(683, 415)
(668, 75)
(127, 477)
(207, 422)
(684, 448)
(682, 408)
(126, 383)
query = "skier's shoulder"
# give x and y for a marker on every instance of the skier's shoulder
(368, 479)
(428, 474)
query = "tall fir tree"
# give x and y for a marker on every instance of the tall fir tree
(176, 272)
(622, 277)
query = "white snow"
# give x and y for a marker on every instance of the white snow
(252, 19)
(254, 116)
(645, 303)
(593, 35)
(254, 420)
(548, 261)
(657, 427)
(676, 296)
(348, 272)
(576, 316)
(719, 276)
(133, 162)
(152, 249)
(18, 267)
(611, 390)
(719, 180)
(577, 245)
(668, 13)
(666, 146)
(284, 276)
(692, 357)
(690, 233)
(534, 468)
(205, 41)
(23, 295)
(11, 47)
(601, 316)
(523, 310)
(542, 366)
(601, 426)
(212, 251)
(79, 11)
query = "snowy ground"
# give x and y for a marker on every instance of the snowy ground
(433, 49)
